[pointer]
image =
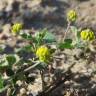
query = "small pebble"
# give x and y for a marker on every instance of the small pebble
(19, 83)
(22, 91)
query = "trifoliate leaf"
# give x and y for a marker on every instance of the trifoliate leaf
(66, 44)
(49, 38)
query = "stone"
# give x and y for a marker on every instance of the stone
(22, 91)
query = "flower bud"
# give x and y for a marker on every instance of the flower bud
(71, 15)
(43, 53)
(87, 35)
(16, 28)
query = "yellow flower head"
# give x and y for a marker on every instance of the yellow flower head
(43, 53)
(87, 35)
(16, 28)
(71, 15)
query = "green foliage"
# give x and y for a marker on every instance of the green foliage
(77, 42)
(11, 59)
(39, 37)
(68, 41)
(8, 61)
(3, 63)
(49, 38)
(44, 36)
(41, 66)
(1, 83)
(26, 36)
(67, 44)
(27, 48)
(1, 49)
(76, 31)
(34, 43)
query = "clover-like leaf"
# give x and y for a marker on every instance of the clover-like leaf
(38, 38)
(11, 59)
(76, 31)
(26, 36)
(69, 41)
(65, 45)
(3, 63)
(49, 37)
(40, 34)
(28, 48)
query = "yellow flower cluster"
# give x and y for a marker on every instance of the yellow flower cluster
(16, 28)
(43, 53)
(87, 35)
(71, 15)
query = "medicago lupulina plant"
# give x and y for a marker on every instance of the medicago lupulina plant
(39, 46)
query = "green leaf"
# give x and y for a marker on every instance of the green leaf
(9, 72)
(49, 38)
(3, 63)
(40, 34)
(1, 83)
(11, 59)
(26, 36)
(74, 29)
(39, 37)
(2, 48)
(80, 44)
(67, 44)
(8, 60)
(69, 41)
(41, 66)
(28, 48)
(78, 35)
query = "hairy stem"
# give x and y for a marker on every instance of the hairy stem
(43, 82)
(68, 26)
